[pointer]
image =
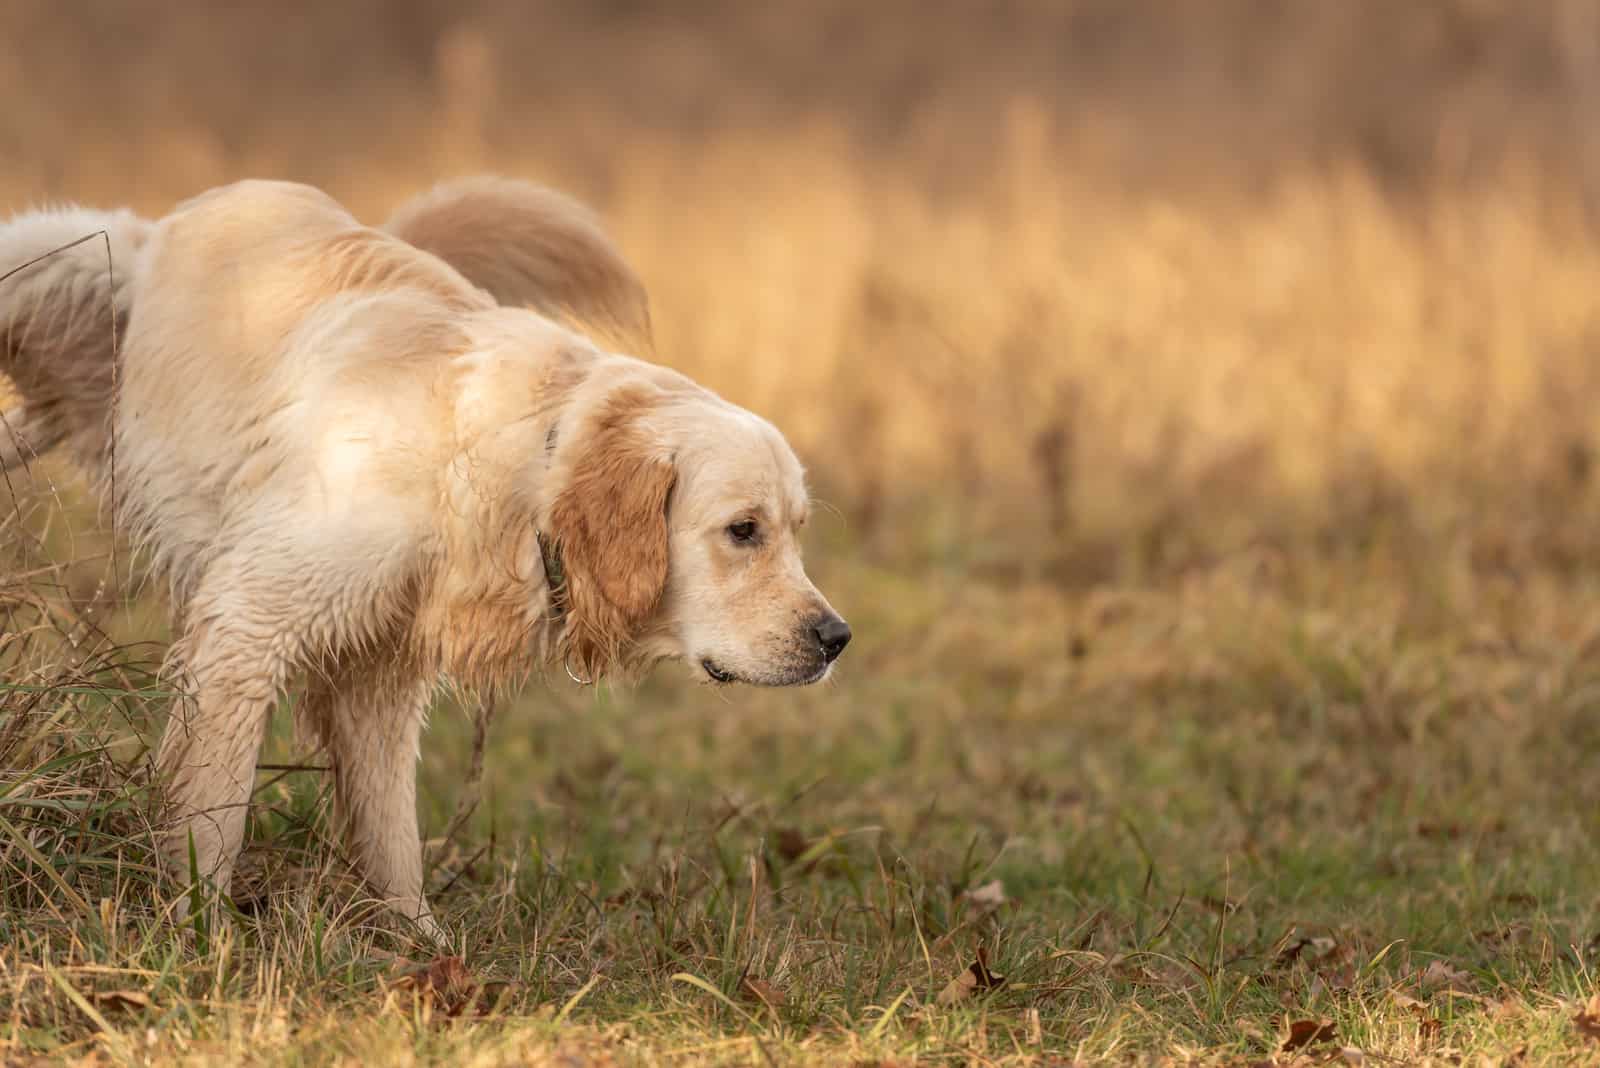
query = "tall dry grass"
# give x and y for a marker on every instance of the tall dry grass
(1047, 362)
(1080, 287)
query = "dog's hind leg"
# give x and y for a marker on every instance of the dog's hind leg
(236, 654)
(371, 726)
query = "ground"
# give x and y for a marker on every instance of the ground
(1265, 802)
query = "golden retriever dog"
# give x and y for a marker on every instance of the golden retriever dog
(366, 460)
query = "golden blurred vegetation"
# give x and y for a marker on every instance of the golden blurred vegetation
(1080, 288)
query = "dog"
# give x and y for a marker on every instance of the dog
(365, 460)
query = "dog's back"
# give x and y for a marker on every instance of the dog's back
(522, 244)
(231, 274)
(274, 349)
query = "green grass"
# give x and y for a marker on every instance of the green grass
(1217, 802)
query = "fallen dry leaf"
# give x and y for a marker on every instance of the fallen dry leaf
(754, 988)
(810, 853)
(1290, 953)
(977, 979)
(1442, 973)
(1310, 948)
(121, 1000)
(1308, 1032)
(790, 844)
(1428, 1026)
(1588, 1019)
(446, 984)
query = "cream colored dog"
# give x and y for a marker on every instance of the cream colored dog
(360, 472)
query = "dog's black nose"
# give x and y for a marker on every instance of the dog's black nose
(834, 634)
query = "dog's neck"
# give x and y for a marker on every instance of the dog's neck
(489, 607)
(555, 575)
(497, 601)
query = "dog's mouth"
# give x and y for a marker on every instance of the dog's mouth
(722, 676)
(715, 673)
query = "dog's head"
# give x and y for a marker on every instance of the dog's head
(678, 526)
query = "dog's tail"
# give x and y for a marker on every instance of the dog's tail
(63, 301)
(529, 246)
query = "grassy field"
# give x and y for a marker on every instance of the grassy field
(1219, 545)
(1179, 816)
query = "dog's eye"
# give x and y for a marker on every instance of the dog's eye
(743, 532)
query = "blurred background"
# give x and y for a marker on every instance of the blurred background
(1067, 290)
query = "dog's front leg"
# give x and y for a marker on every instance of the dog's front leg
(370, 726)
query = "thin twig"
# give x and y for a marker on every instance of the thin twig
(472, 789)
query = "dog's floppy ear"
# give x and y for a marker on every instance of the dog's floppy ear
(609, 522)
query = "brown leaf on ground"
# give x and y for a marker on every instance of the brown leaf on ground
(1588, 1019)
(1309, 948)
(1308, 1032)
(756, 989)
(454, 991)
(1428, 1025)
(1331, 964)
(1290, 953)
(121, 1000)
(793, 846)
(1441, 974)
(977, 979)
(790, 843)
